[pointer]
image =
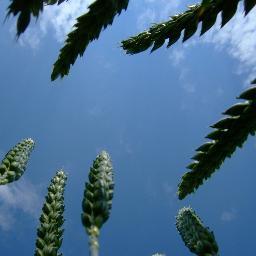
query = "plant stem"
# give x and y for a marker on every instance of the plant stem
(94, 245)
(93, 233)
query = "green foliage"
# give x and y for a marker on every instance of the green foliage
(230, 133)
(171, 30)
(26, 9)
(199, 239)
(98, 195)
(88, 28)
(50, 232)
(14, 163)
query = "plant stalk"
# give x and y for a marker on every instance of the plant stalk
(94, 245)
(93, 241)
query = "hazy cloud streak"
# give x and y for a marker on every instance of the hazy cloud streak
(20, 195)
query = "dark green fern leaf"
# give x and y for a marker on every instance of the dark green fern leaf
(230, 133)
(228, 11)
(209, 17)
(248, 5)
(14, 163)
(225, 123)
(51, 2)
(171, 30)
(249, 94)
(236, 110)
(199, 239)
(190, 29)
(88, 28)
(50, 232)
(26, 9)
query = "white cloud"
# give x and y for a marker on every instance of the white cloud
(20, 195)
(6, 220)
(164, 8)
(145, 18)
(31, 38)
(176, 56)
(238, 38)
(126, 146)
(185, 80)
(1, 153)
(229, 215)
(155, 11)
(169, 192)
(169, 189)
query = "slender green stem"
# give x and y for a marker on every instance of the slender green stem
(94, 246)
(93, 241)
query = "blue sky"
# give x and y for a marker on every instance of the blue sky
(149, 111)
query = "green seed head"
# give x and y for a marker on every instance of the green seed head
(199, 239)
(49, 233)
(98, 194)
(14, 163)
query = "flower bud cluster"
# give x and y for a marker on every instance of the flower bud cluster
(14, 163)
(98, 194)
(199, 239)
(49, 233)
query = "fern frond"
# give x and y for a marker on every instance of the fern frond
(50, 231)
(230, 133)
(199, 239)
(51, 2)
(171, 30)
(14, 163)
(97, 201)
(26, 9)
(88, 28)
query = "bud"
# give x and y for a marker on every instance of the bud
(199, 239)
(49, 233)
(97, 201)
(14, 163)
(98, 193)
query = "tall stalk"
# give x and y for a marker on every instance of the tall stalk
(97, 201)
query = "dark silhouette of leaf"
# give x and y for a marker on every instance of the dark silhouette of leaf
(230, 133)
(26, 9)
(205, 13)
(88, 28)
(248, 5)
(228, 11)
